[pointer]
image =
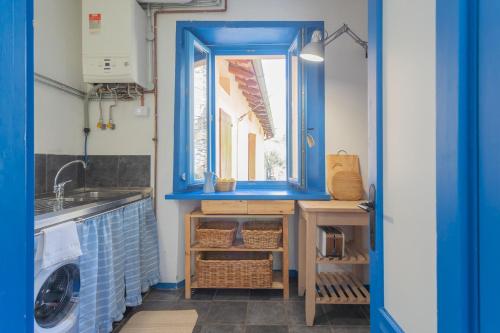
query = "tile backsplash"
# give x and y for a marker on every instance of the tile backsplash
(118, 171)
(102, 171)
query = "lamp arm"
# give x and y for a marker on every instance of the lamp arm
(345, 29)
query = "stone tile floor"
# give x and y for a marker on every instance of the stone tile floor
(255, 311)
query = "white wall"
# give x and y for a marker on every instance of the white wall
(409, 163)
(132, 136)
(345, 101)
(58, 116)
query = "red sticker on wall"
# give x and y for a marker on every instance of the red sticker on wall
(94, 22)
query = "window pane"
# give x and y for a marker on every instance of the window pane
(294, 104)
(251, 117)
(200, 113)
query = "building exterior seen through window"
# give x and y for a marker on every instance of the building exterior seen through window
(251, 117)
(200, 111)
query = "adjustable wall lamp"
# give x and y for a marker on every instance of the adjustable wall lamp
(315, 49)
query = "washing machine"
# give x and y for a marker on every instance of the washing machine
(56, 299)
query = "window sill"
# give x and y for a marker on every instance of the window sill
(250, 194)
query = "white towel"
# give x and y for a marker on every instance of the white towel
(60, 244)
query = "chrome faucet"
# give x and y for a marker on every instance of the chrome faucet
(59, 187)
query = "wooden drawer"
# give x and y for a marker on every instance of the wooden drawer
(224, 206)
(271, 207)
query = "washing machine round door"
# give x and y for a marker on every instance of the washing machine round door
(56, 299)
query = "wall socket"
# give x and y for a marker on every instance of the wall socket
(141, 111)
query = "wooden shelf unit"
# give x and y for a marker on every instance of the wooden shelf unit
(277, 283)
(353, 256)
(238, 246)
(337, 287)
(280, 279)
(340, 288)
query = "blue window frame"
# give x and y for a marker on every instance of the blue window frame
(295, 121)
(199, 109)
(200, 42)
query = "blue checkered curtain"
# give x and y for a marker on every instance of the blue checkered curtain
(142, 261)
(119, 261)
(150, 262)
(102, 274)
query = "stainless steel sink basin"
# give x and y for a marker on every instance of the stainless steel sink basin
(95, 195)
(47, 206)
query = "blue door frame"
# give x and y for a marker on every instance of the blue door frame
(456, 166)
(456, 142)
(16, 166)
(381, 320)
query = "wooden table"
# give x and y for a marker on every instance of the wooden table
(278, 210)
(338, 287)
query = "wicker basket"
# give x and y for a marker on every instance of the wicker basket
(234, 270)
(347, 185)
(216, 234)
(262, 235)
(225, 186)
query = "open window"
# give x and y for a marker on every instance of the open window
(242, 107)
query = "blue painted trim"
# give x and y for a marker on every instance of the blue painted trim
(179, 166)
(252, 194)
(387, 324)
(254, 50)
(375, 129)
(313, 82)
(16, 167)
(295, 49)
(456, 166)
(170, 285)
(191, 43)
(293, 273)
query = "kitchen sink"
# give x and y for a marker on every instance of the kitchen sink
(48, 204)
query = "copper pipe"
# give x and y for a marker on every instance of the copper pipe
(155, 80)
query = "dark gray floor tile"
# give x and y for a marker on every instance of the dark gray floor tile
(297, 316)
(134, 171)
(294, 292)
(223, 328)
(350, 329)
(345, 315)
(366, 310)
(311, 329)
(266, 294)
(266, 313)
(232, 294)
(227, 312)
(197, 329)
(152, 305)
(266, 329)
(201, 307)
(163, 295)
(199, 294)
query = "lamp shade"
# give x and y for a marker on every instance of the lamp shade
(315, 49)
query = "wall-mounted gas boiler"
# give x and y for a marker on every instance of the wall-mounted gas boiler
(114, 42)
